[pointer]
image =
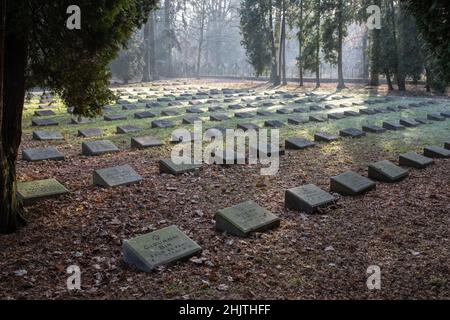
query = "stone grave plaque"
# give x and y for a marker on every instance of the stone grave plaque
(351, 113)
(128, 128)
(401, 107)
(373, 128)
(410, 123)
(191, 120)
(145, 142)
(445, 114)
(153, 105)
(80, 120)
(298, 143)
(274, 123)
(43, 122)
(386, 171)
(162, 124)
(235, 106)
(215, 108)
(95, 148)
(114, 117)
(436, 152)
(144, 115)
(163, 99)
(315, 108)
(336, 116)
(264, 113)
(270, 148)
(435, 117)
(324, 137)
(169, 113)
(244, 218)
(390, 125)
(297, 120)
(367, 111)
(40, 154)
(247, 126)
(32, 191)
(47, 135)
(268, 104)
(159, 248)
(195, 102)
(167, 166)
(300, 110)
(115, 176)
(44, 113)
(194, 110)
(307, 198)
(90, 132)
(244, 115)
(317, 118)
(392, 108)
(284, 111)
(218, 117)
(414, 160)
(352, 133)
(447, 145)
(381, 110)
(423, 121)
(351, 184)
(174, 103)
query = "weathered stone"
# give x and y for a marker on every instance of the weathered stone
(128, 128)
(43, 122)
(194, 110)
(423, 121)
(40, 154)
(297, 143)
(159, 248)
(274, 123)
(373, 128)
(390, 125)
(315, 108)
(351, 184)
(351, 113)
(324, 137)
(95, 148)
(410, 123)
(47, 135)
(336, 116)
(435, 117)
(115, 176)
(297, 120)
(414, 160)
(244, 115)
(386, 171)
(168, 166)
(445, 114)
(169, 113)
(447, 145)
(32, 191)
(300, 110)
(144, 115)
(191, 120)
(264, 113)
(218, 117)
(162, 124)
(44, 113)
(352, 133)
(436, 152)
(247, 126)
(90, 132)
(317, 118)
(284, 111)
(244, 218)
(129, 107)
(114, 117)
(367, 111)
(215, 108)
(307, 198)
(145, 142)
(268, 151)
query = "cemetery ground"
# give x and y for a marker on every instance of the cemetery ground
(402, 227)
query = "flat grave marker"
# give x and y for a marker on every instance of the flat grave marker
(168, 166)
(169, 113)
(352, 133)
(414, 160)
(95, 148)
(324, 137)
(32, 191)
(274, 123)
(336, 116)
(218, 117)
(40, 154)
(47, 135)
(351, 184)
(386, 171)
(308, 198)
(44, 113)
(244, 115)
(393, 126)
(115, 176)
(436, 152)
(410, 123)
(244, 218)
(43, 122)
(297, 120)
(90, 132)
(191, 120)
(144, 115)
(298, 143)
(317, 118)
(114, 117)
(248, 126)
(158, 248)
(145, 142)
(128, 128)
(373, 128)
(435, 116)
(162, 124)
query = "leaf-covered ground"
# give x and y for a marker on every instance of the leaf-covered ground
(402, 227)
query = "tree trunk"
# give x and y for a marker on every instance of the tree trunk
(318, 44)
(274, 78)
(341, 84)
(152, 48)
(200, 42)
(375, 58)
(168, 33)
(14, 59)
(427, 75)
(365, 71)
(389, 81)
(300, 46)
(399, 74)
(146, 71)
(283, 42)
